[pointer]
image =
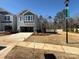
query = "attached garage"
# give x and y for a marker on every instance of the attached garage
(8, 28)
(26, 29)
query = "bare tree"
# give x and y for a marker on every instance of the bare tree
(55, 24)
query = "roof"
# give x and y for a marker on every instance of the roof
(4, 12)
(25, 11)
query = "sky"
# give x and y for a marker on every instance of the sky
(40, 7)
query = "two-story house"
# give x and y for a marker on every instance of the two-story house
(8, 21)
(27, 21)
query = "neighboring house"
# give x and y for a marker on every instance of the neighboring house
(7, 21)
(1, 18)
(27, 21)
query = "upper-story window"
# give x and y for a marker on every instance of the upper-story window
(31, 18)
(28, 17)
(7, 18)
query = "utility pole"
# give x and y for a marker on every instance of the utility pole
(66, 17)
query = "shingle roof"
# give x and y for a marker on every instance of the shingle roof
(23, 11)
(4, 12)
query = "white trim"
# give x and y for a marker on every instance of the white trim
(31, 19)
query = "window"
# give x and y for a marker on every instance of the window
(7, 18)
(28, 18)
(25, 18)
(31, 17)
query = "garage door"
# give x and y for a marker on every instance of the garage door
(26, 29)
(8, 28)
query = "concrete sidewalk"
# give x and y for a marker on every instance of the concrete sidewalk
(5, 51)
(50, 47)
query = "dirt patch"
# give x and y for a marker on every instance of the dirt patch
(6, 33)
(58, 39)
(28, 53)
(23, 53)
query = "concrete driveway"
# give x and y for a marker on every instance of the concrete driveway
(20, 36)
(13, 38)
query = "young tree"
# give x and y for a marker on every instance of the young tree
(55, 24)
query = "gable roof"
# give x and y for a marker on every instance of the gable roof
(25, 11)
